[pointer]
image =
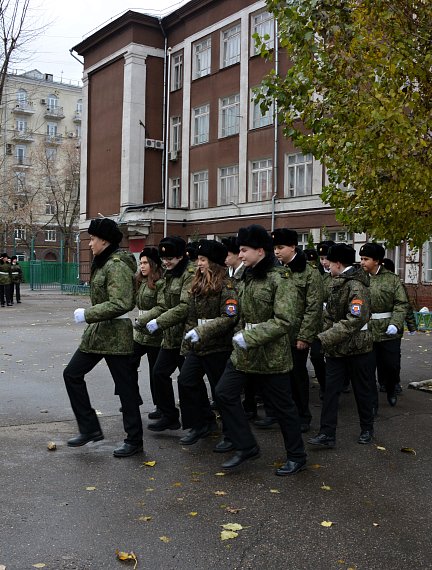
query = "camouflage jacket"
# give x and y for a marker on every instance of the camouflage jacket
(267, 301)
(387, 296)
(172, 304)
(112, 294)
(145, 300)
(220, 310)
(16, 273)
(347, 314)
(309, 301)
(5, 273)
(326, 281)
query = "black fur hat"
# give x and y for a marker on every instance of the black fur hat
(254, 236)
(151, 253)
(343, 253)
(284, 236)
(191, 250)
(172, 246)
(311, 254)
(373, 250)
(231, 244)
(106, 229)
(214, 250)
(324, 246)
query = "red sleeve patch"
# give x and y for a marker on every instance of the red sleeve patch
(231, 307)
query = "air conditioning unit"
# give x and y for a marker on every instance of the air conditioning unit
(150, 143)
(159, 145)
(43, 102)
(173, 156)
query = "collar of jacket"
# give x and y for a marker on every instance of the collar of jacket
(179, 269)
(356, 273)
(298, 264)
(100, 260)
(261, 269)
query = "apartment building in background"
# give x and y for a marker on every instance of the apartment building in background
(41, 136)
(173, 141)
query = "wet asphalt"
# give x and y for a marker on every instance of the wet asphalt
(72, 508)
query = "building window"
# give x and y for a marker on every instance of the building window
(50, 235)
(174, 195)
(201, 65)
(261, 180)
(20, 182)
(303, 239)
(298, 175)
(229, 115)
(230, 41)
(21, 154)
(20, 233)
(262, 25)
(21, 96)
(200, 124)
(228, 185)
(339, 236)
(175, 134)
(79, 106)
(258, 117)
(50, 153)
(52, 129)
(176, 71)
(200, 189)
(21, 126)
(49, 209)
(78, 131)
(52, 102)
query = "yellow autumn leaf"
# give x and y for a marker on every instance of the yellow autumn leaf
(232, 526)
(326, 487)
(221, 474)
(326, 523)
(149, 490)
(164, 539)
(219, 493)
(149, 463)
(381, 448)
(408, 450)
(39, 565)
(233, 510)
(177, 484)
(278, 464)
(145, 518)
(90, 488)
(51, 446)
(193, 514)
(274, 491)
(315, 466)
(126, 556)
(227, 534)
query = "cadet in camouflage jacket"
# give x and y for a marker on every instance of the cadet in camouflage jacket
(346, 331)
(112, 295)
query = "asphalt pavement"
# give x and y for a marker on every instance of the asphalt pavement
(355, 507)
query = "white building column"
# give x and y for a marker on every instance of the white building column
(84, 153)
(244, 107)
(186, 124)
(133, 134)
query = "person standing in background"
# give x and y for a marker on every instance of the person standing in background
(5, 281)
(16, 273)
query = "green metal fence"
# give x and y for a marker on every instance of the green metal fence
(67, 277)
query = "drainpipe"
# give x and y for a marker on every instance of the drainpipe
(167, 101)
(276, 139)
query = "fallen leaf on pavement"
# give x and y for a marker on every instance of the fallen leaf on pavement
(219, 493)
(220, 474)
(39, 565)
(375, 524)
(274, 491)
(233, 510)
(51, 446)
(145, 518)
(149, 463)
(232, 526)
(227, 534)
(409, 450)
(164, 539)
(90, 488)
(326, 487)
(193, 514)
(127, 557)
(177, 484)
(326, 524)
(315, 466)
(381, 448)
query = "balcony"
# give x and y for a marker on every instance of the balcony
(77, 117)
(23, 135)
(52, 112)
(22, 161)
(23, 107)
(53, 139)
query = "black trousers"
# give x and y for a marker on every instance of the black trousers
(318, 363)
(152, 354)
(361, 369)
(126, 387)
(194, 402)
(300, 384)
(388, 363)
(276, 392)
(166, 363)
(17, 288)
(6, 294)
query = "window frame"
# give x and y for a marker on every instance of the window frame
(229, 40)
(174, 199)
(52, 233)
(201, 56)
(293, 171)
(259, 25)
(176, 71)
(198, 137)
(256, 172)
(199, 186)
(175, 134)
(225, 115)
(228, 176)
(258, 122)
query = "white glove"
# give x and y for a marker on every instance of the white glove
(238, 338)
(152, 326)
(79, 315)
(192, 335)
(411, 333)
(391, 329)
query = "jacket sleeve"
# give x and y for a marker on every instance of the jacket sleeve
(355, 319)
(400, 307)
(157, 310)
(178, 314)
(119, 282)
(311, 321)
(227, 320)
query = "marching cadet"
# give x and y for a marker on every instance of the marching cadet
(308, 316)
(16, 274)
(108, 335)
(389, 305)
(148, 283)
(261, 350)
(213, 312)
(234, 264)
(347, 344)
(5, 281)
(169, 316)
